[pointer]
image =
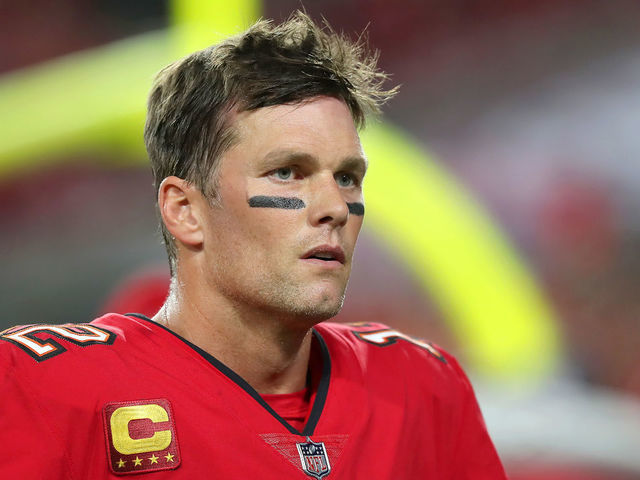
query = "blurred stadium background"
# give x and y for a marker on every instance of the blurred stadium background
(503, 200)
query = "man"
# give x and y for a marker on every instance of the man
(259, 172)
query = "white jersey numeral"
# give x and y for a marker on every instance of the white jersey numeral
(387, 336)
(29, 338)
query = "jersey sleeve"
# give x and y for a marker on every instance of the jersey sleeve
(475, 457)
(30, 447)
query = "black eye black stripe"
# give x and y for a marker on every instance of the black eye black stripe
(288, 203)
(356, 208)
(293, 203)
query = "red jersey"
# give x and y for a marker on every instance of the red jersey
(123, 395)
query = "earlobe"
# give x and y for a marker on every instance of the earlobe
(177, 202)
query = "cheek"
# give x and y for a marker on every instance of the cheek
(270, 227)
(354, 225)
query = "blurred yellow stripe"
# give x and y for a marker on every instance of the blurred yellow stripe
(205, 22)
(93, 100)
(451, 245)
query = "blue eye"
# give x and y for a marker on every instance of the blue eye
(284, 173)
(345, 180)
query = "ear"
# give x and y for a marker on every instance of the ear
(179, 203)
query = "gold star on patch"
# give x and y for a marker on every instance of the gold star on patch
(137, 461)
(121, 463)
(169, 457)
(153, 458)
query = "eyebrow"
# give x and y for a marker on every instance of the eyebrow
(276, 157)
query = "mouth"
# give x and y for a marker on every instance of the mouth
(326, 254)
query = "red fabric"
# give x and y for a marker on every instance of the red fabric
(293, 407)
(391, 412)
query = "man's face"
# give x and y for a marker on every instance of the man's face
(282, 239)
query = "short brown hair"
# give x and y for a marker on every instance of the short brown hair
(188, 123)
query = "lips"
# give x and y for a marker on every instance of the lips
(326, 253)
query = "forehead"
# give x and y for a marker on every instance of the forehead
(321, 127)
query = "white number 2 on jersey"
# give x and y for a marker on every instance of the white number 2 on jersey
(41, 349)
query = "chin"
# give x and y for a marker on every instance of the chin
(325, 309)
(323, 314)
(309, 304)
(317, 310)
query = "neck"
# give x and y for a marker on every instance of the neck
(262, 348)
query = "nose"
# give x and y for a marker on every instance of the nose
(329, 206)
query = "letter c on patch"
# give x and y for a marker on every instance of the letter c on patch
(122, 441)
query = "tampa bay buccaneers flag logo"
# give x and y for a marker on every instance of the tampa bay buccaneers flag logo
(314, 459)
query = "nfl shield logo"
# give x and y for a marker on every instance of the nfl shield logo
(313, 456)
